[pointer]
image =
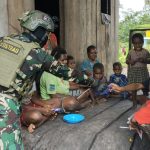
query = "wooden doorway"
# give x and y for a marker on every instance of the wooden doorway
(50, 7)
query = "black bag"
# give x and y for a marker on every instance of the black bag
(140, 144)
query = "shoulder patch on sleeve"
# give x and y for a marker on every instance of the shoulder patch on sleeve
(52, 87)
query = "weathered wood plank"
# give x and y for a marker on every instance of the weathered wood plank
(3, 18)
(114, 138)
(60, 135)
(15, 10)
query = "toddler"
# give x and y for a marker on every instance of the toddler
(119, 78)
(99, 87)
(76, 75)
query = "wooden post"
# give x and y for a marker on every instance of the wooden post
(3, 18)
(82, 27)
(15, 10)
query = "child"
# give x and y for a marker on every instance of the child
(67, 67)
(58, 65)
(76, 75)
(52, 91)
(60, 55)
(100, 86)
(87, 65)
(72, 72)
(71, 62)
(137, 60)
(118, 78)
(54, 94)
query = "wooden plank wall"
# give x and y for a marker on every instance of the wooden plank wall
(15, 10)
(82, 27)
(3, 18)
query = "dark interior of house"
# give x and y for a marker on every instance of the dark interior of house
(52, 8)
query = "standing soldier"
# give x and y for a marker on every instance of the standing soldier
(21, 58)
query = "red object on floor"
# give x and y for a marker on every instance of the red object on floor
(142, 116)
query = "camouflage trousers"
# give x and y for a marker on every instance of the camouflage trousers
(10, 129)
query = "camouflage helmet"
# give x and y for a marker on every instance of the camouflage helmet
(35, 18)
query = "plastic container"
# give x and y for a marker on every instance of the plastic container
(73, 118)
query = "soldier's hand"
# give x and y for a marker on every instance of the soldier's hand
(74, 85)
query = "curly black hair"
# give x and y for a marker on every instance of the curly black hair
(98, 66)
(57, 52)
(138, 35)
(117, 64)
(90, 47)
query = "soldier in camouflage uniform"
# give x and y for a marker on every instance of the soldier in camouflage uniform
(21, 58)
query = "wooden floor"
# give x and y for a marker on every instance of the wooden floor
(99, 131)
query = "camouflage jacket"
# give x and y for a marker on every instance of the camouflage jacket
(29, 69)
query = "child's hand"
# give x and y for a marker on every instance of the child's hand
(133, 125)
(53, 116)
(88, 73)
(141, 60)
(47, 111)
(47, 106)
(75, 73)
(132, 62)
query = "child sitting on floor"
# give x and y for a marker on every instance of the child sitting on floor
(72, 73)
(76, 75)
(80, 78)
(52, 91)
(119, 78)
(100, 87)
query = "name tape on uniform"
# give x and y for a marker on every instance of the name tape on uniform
(9, 47)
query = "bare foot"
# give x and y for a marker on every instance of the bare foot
(31, 128)
(53, 116)
(104, 99)
(101, 100)
(86, 104)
